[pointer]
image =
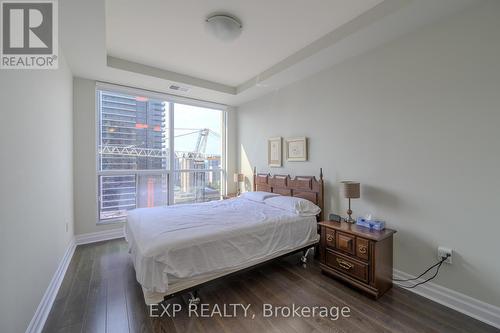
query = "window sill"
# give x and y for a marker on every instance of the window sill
(112, 221)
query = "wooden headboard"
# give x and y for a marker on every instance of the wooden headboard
(306, 187)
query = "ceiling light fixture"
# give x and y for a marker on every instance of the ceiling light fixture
(223, 26)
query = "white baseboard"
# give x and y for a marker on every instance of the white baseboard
(472, 307)
(43, 310)
(99, 236)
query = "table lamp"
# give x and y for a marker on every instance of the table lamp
(351, 191)
(238, 178)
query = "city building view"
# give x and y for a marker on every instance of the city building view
(134, 154)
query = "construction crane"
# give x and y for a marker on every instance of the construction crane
(201, 142)
(198, 152)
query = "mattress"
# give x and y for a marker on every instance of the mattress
(175, 245)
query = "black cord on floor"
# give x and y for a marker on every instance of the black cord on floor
(438, 264)
(418, 277)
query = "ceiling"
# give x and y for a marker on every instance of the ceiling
(171, 35)
(155, 44)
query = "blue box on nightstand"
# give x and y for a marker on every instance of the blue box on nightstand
(372, 224)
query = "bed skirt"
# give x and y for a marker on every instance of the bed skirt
(187, 284)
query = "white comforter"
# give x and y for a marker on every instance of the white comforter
(168, 244)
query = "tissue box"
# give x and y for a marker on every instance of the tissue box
(372, 224)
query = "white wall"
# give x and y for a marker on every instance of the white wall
(85, 157)
(417, 123)
(36, 186)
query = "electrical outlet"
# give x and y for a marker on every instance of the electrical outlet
(443, 251)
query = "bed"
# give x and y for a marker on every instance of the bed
(176, 249)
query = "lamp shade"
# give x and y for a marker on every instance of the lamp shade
(238, 177)
(351, 189)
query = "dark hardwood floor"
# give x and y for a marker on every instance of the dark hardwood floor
(100, 294)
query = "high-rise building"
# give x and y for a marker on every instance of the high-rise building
(131, 138)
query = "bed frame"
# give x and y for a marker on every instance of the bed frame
(306, 187)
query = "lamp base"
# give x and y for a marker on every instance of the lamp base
(349, 220)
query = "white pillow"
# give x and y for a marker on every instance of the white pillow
(298, 206)
(258, 196)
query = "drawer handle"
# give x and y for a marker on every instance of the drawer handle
(362, 249)
(329, 238)
(344, 264)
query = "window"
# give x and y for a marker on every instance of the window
(198, 151)
(153, 150)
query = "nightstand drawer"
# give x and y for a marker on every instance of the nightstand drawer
(330, 238)
(359, 256)
(345, 242)
(350, 266)
(362, 248)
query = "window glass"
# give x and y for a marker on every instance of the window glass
(119, 194)
(133, 132)
(133, 153)
(199, 186)
(198, 137)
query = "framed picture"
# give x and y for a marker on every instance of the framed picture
(274, 152)
(296, 149)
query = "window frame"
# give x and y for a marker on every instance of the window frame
(172, 100)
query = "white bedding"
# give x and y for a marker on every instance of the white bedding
(173, 244)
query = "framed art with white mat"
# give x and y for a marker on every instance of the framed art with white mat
(274, 152)
(296, 149)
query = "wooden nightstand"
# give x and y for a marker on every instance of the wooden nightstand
(357, 255)
(229, 196)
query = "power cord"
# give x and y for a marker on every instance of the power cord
(438, 264)
(418, 277)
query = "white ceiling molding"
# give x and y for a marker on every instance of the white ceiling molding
(84, 46)
(173, 35)
(405, 17)
(377, 13)
(160, 95)
(168, 75)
